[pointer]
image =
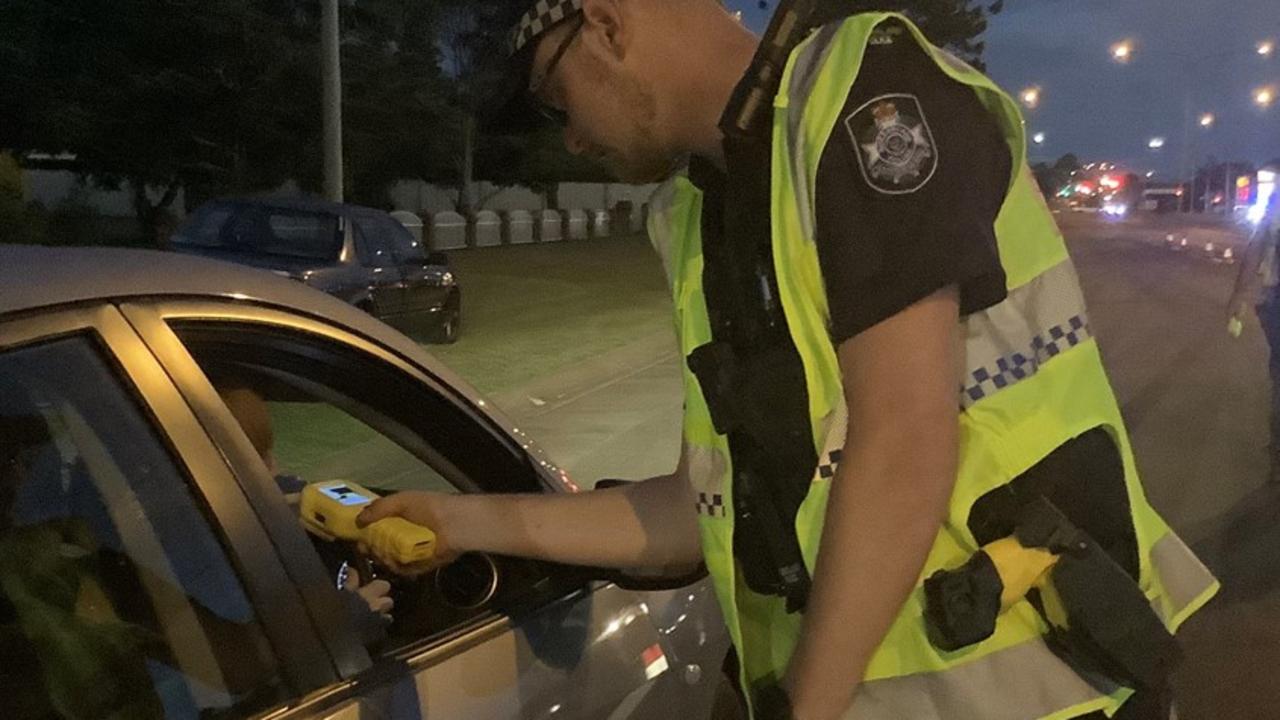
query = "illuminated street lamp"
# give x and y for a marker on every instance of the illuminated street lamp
(1031, 98)
(1264, 96)
(1267, 48)
(1155, 143)
(1122, 52)
(1038, 138)
(1207, 120)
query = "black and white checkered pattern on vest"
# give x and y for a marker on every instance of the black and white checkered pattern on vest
(544, 15)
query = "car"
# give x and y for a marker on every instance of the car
(358, 254)
(152, 564)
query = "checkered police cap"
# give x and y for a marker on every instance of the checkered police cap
(544, 15)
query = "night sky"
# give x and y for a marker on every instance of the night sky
(1198, 50)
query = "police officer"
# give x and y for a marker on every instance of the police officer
(918, 310)
(1259, 281)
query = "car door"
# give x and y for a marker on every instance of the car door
(545, 644)
(387, 293)
(427, 287)
(135, 581)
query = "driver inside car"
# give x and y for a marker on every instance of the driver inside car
(369, 604)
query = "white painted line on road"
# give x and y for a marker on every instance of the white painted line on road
(538, 402)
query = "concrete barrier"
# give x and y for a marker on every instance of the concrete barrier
(600, 224)
(550, 226)
(518, 227)
(448, 231)
(576, 225)
(486, 229)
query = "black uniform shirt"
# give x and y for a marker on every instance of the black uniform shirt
(908, 189)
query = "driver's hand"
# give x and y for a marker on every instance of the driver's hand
(420, 508)
(376, 594)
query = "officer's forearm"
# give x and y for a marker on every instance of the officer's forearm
(887, 500)
(882, 518)
(645, 524)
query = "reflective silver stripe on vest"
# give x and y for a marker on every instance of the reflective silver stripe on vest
(1184, 577)
(1010, 342)
(1021, 683)
(804, 75)
(707, 469)
(661, 234)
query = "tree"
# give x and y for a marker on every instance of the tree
(221, 96)
(160, 94)
(399, 106)
(474, 37)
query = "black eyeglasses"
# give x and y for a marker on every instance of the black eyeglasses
(555, 115)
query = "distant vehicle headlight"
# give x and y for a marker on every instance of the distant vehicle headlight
(447, 279)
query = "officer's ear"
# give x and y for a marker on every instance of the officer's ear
(609, 26)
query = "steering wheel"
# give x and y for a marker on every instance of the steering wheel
(425, 604)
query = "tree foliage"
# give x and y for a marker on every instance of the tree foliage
(222, 97)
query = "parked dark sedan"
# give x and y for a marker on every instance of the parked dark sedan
(357, 254)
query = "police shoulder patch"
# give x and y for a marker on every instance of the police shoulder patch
(895, 147)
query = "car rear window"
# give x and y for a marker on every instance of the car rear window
(264, 231)
(300, 235)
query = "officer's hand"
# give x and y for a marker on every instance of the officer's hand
(377, 594)
(421, 508)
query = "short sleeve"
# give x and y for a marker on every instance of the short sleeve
(908, 190)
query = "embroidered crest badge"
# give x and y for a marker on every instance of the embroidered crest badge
(896, 150)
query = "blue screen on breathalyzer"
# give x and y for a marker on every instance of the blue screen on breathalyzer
(345, 495)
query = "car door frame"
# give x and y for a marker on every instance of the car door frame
(153, 321)
(386, 282)
(301, 658)
(423, 291)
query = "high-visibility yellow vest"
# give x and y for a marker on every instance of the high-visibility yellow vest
(1034, 381)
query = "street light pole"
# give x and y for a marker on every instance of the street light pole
(331, 70)
(1186, 153)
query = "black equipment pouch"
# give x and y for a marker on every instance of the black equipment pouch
(1110, 628)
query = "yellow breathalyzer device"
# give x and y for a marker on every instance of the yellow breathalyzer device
(329, 510)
